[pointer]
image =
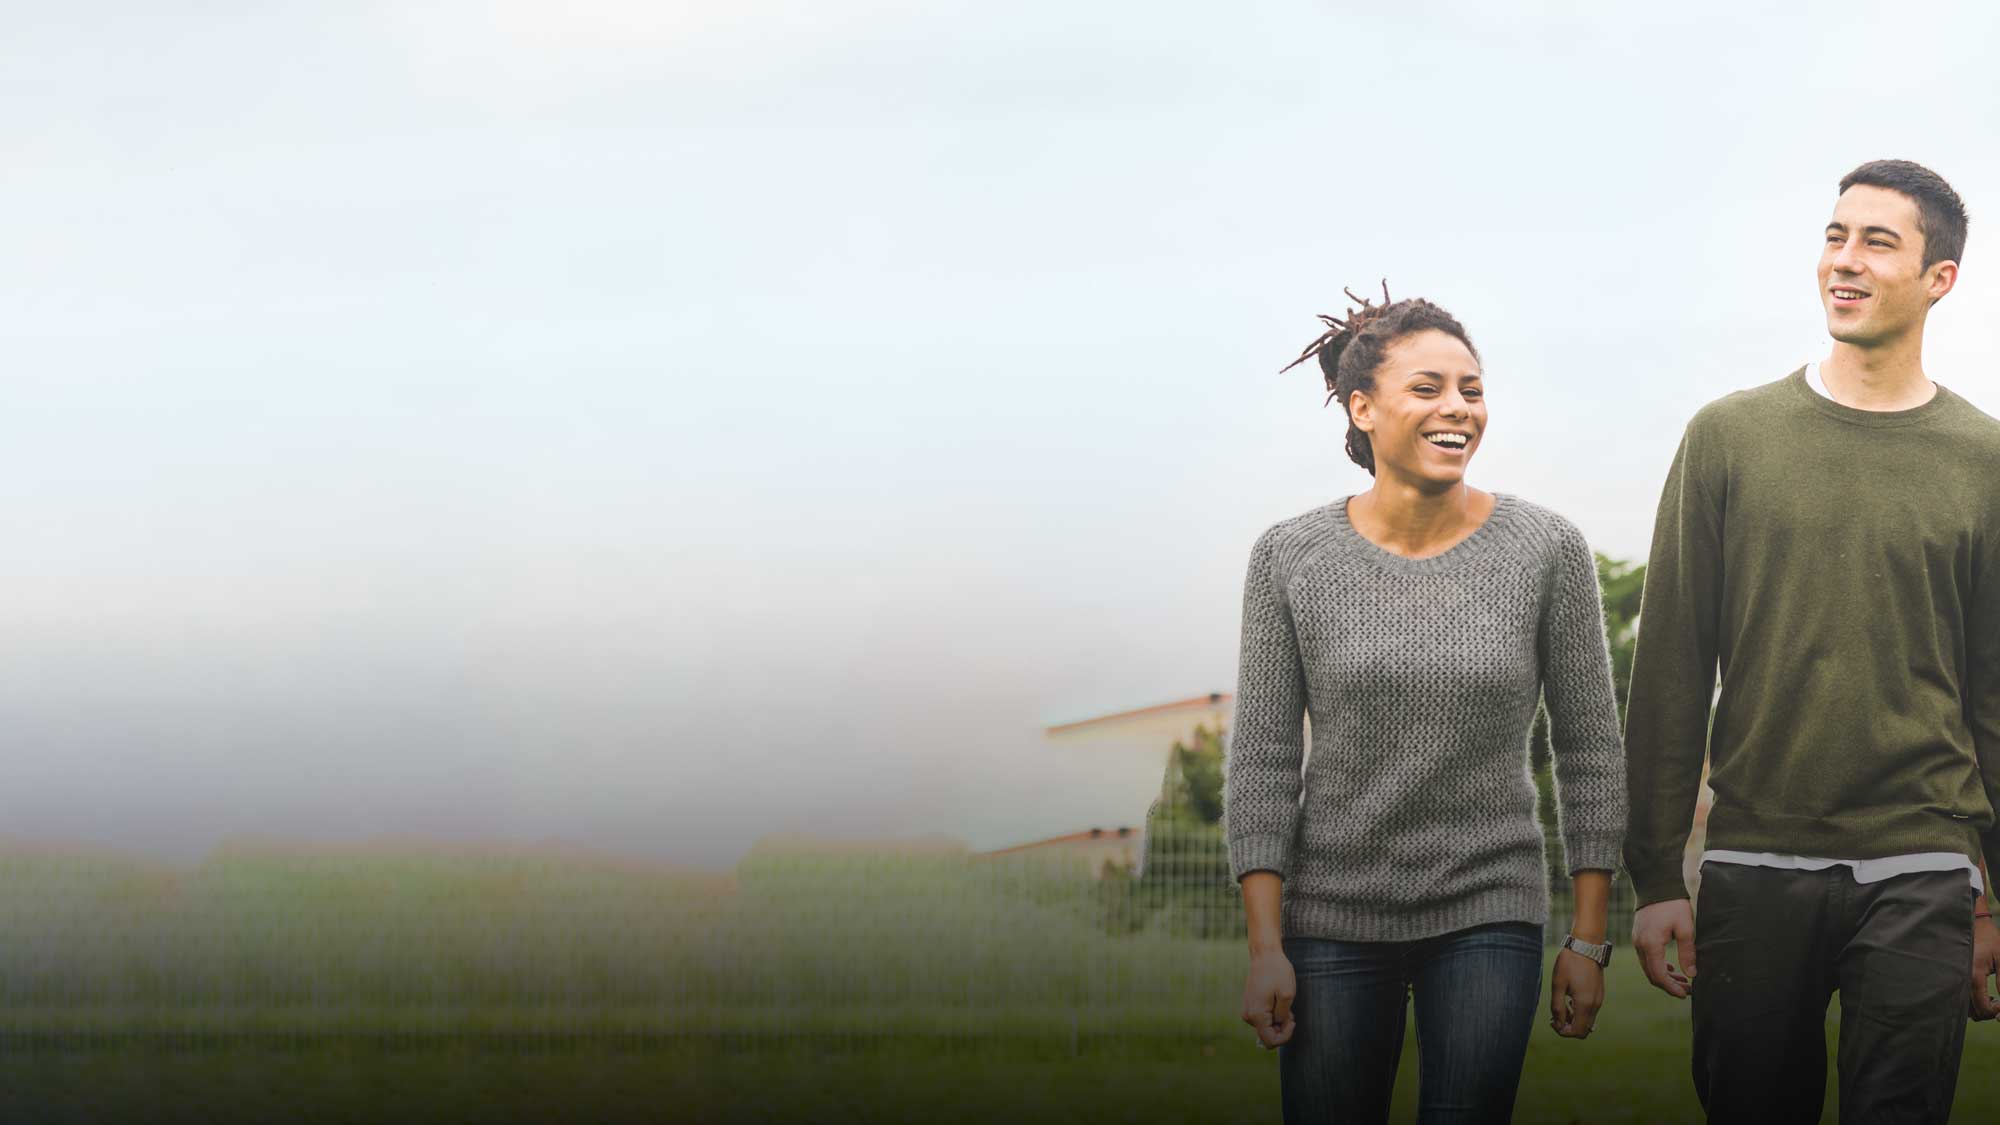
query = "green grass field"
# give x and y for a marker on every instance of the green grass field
(384, 984)
(1633, 1069)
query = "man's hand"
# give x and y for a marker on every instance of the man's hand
(1985, 963)
(1576, 992)
(1652, 928)
(1267, 998)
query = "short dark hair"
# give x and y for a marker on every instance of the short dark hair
(1940, 212)
(1351, 351)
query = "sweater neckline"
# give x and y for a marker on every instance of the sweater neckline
(1875, 418)
(1503, 510)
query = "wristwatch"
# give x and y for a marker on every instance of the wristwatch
(1596, 952)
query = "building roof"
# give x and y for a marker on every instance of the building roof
(1085, 837)
(1144, 716)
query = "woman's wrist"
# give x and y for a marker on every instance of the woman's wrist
(1263, 896)
(1592, 888)
(1589, 931)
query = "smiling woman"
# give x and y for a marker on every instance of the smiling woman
(1419, 623)
(1351, 352)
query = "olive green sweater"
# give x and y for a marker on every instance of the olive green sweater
(1842, 568)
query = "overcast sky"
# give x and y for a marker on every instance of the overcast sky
(657, 425)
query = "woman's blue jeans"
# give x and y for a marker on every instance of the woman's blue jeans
(1476, 993)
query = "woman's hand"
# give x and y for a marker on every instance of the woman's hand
(1267, 994)
(1576, 985)
(1267, 997)
(1576, 992)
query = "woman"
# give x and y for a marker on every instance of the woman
(1417, 623)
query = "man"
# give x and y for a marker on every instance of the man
(1832, 540)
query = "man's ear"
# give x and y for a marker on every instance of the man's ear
(1944, 275)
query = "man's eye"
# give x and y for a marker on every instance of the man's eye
(1879, 243)
(1833, 240)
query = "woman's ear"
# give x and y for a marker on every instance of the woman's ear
(1361, 412)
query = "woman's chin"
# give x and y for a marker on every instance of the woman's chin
(1435, 478)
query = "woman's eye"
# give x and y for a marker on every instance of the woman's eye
(1473, 392)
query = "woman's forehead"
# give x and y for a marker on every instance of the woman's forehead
(1439, 353)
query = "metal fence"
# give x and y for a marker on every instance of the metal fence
(531, 949)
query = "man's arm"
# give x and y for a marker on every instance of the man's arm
(1982, 688)
(1673, 671)
(1985, 951)
(1982, 716)
(1666, 717)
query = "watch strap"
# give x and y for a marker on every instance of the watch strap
(1598, 952)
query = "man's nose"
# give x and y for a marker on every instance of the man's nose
(1846, 260)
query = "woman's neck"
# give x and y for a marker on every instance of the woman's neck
(1414, 522)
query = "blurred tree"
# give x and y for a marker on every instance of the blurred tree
(1194, 775)
(1184, 886)
(1621, 583)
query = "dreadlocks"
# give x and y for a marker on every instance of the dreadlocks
(1338, 332)
(1350, 351)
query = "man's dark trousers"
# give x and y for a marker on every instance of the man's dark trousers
(1772, 945)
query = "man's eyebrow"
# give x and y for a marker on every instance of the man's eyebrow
(1892, 232)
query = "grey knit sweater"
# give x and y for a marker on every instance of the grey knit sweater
(1414, 814)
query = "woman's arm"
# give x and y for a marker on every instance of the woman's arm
(1589, 768)
(1261, 783)
(1270, 987)
(1583, 711)
(1261, 772)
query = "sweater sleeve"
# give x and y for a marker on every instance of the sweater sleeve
(1583, 711)
(1982, 695)
(1673, 671)
(1267, 745)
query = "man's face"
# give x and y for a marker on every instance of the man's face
(1872, 279)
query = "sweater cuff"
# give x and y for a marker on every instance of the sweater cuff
(1595, 850)
(1265, 852)
(1658, 886)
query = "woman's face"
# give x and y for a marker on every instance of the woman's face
(1427, 411)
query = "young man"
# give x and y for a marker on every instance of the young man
(1832, 540)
